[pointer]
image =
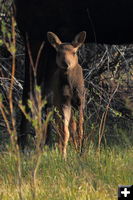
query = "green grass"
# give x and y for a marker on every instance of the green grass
(92, 176)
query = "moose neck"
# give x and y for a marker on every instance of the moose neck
(66, 75)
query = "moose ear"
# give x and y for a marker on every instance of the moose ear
(79, 39)
(53, 39)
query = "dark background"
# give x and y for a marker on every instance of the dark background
(106, 21)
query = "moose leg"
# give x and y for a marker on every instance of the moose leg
(73, 128)
(80, 126)
(58, 126)
(66, 134)
(60, 135)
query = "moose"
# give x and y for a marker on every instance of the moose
(68, 88)
(104, 21)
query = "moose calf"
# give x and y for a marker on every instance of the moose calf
(67, 86)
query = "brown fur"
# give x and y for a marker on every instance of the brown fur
(65, 17)
(67, 85)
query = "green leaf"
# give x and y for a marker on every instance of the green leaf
(1, 42)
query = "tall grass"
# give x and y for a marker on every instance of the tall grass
(90, 176)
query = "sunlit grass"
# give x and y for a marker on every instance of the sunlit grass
(94, 175)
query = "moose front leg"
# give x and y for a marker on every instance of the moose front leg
(80, 126)
(73, 129)
(66, 133)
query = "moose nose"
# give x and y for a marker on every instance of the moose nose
(65, 64)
